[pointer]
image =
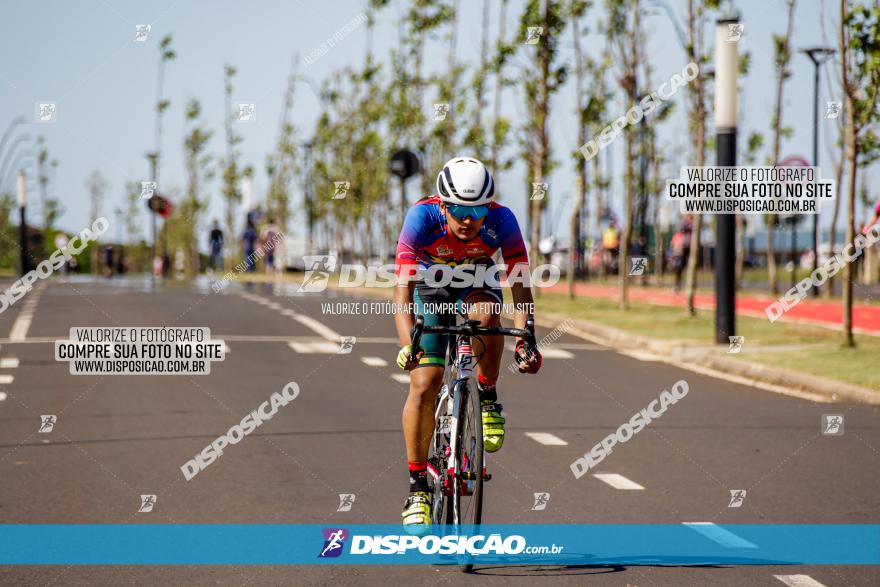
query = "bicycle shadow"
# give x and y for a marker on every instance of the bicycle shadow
(605, 566)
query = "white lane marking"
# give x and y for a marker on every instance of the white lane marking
(642, 356)
(400, 377)
(6, 379)
(323, 347)
(288, 312)
(2, 396)
(799, 581)
(720, 535)
(8, 363)
(273, 306)
(546, 438)
(550, 352)
(618, 481)
(317, 327)
(20, 327)
(374, 361)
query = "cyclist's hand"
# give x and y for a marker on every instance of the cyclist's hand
(405, 361)
(528, 362)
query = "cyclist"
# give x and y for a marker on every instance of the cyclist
(461, 225)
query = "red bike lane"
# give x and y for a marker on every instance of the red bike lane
(866, 319)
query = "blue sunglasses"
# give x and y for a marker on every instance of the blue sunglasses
(461, 212)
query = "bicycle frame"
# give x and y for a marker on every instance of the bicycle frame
(460, 366)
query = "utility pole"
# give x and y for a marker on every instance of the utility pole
(818, 55)
(22, 228)
(726, 69)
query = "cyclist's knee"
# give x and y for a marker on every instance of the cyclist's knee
(485, 309)
(425, 382)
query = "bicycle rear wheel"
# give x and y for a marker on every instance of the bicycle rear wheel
(467, 495)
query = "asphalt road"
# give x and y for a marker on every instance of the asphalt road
(118, 437)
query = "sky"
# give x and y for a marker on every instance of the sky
(81, 55)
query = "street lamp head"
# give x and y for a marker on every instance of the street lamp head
(818, 54)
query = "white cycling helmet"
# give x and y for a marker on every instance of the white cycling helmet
(466, 182)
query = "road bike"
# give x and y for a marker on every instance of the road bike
(456, 458)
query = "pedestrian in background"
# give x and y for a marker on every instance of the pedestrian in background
(249, 243)
(216, 242)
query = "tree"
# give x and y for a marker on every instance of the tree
(782, 52)
(197, 168)
(97, 186)
(860, 78)
(538, 89)
(698, 112)
(50, 207)
(229, 167)
(624, 33)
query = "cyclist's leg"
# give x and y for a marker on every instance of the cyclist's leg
(424, 383)
(484, 305)
(418, 417)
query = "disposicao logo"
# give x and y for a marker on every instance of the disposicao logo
(334, 540)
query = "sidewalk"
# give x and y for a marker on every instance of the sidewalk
(866, 319)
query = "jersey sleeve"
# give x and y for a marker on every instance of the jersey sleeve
(406, 260)
(513, 248)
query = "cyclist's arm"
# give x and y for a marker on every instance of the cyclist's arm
(523, 304)
(403, 318)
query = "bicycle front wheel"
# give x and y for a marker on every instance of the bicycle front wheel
(467, 494)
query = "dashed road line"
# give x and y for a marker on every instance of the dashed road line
(21, 326)
(8, 363)
(6, 379)
(323, 347)
(374, 361)
(720, 535)
(546, 438)
(618, 481)
(799, 581)
(400, 377)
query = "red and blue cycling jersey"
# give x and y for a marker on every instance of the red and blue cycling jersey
(425, 239)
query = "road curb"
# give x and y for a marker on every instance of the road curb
(689, 355)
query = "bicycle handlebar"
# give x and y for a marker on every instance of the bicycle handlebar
(470, 328)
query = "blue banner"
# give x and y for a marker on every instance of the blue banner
(600, 544)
